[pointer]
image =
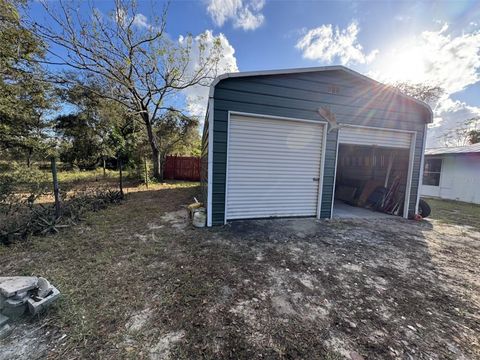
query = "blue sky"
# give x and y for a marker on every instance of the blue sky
(436, 42)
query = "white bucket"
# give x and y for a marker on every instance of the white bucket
(199, 217)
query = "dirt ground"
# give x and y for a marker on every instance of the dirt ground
(139, 282)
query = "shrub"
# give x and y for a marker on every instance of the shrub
(40, 219)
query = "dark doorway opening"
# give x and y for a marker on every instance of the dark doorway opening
(371, 181)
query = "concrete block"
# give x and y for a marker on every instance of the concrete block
(14, 308)
(3, 320)
(38, 304)
(10, 286)
(5, 331)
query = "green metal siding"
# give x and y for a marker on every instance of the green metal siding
(329, 173)
(300, 95)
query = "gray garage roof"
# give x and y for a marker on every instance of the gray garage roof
(318, 69)
(475, 148)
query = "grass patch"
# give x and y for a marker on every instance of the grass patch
(104, 267)
(78, 176)
(455, 212)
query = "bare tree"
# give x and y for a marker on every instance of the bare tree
(428, 93)
(143, 68)
(464, 134)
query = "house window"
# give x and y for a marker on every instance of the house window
(431, 173)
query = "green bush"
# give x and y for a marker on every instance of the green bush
(21, 182)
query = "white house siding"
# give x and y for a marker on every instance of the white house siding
(459, 179)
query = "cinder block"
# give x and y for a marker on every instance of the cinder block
(5, 331)
(3, 320)
(10, 286)
(36, 306)
(14, 308)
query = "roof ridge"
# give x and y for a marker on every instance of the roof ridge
(317, 69)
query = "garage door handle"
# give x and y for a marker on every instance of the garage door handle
(316, 179)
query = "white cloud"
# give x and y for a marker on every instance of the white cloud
(449, 114)
(197, 96)
(328, 44)
(438, 58)
(452, 62)
(402, 18)
(139, 20)
(244, 14)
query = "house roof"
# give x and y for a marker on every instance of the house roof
(475, 148)
(318, 69)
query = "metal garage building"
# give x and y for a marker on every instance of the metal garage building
(282, 143)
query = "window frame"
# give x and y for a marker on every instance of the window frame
(427, 173)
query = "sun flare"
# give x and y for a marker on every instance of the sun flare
(406, 64)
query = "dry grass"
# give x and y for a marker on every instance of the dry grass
(455, 212)
(76, 176)
(138, 282)
(100, 266)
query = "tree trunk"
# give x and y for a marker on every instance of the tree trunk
(29, 157)
(156, 155)
(104, 167)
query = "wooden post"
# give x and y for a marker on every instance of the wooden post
(120, 164)
(146, 170)
(56, 190)
(104, 167)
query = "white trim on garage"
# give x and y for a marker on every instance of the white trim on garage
(389, 141)
(375, 128)
(322, 171)
(369, 136)
(210, 162)
(422, 164)
(408, 189)
(280, 118)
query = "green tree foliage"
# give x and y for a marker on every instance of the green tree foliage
(24, 98)
(100, 129)
(80, 145)
(142, 67)
(177, 133)
(474, 136)
(191, 145)
(19, 184)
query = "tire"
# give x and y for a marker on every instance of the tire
(424, 209)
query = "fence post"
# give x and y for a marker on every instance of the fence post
(56, 189)
(120, 163)
(146, 170)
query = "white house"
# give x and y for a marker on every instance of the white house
(453, 173)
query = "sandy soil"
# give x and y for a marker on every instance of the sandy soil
(295, 288)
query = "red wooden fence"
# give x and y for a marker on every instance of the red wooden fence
(182, 168)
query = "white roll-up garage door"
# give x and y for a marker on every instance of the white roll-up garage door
(374, 137)
(273, 167)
